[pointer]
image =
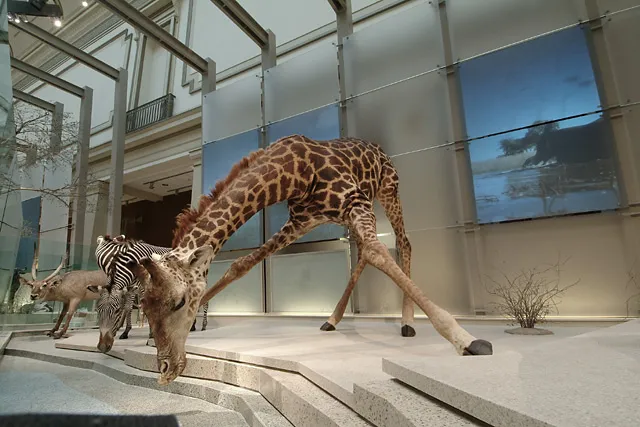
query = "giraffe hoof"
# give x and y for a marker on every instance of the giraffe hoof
(478, 348)
(327, 327)
(124, 336)
(408, 331)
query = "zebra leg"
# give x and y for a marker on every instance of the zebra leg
(128, 307)
(193, 327)
(205, 308)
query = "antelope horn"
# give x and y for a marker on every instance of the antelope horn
(64, 260)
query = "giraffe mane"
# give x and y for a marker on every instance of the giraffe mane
(188, 217)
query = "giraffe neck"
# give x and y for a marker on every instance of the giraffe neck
(251, 192)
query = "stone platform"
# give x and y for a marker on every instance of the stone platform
(316, 378)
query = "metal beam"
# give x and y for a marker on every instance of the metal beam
(33, 100)
(67, 48)
(141, 194)
(339, 5)
(114, 210)
(56, 127)
(82, 172)
(244, 21)
(139, 20)
(47, 78)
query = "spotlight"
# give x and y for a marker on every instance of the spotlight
(16, 20)
(85, 3)
(57, 22)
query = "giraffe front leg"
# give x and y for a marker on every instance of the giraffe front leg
(376, 253)
(73, 305)
(338, 312)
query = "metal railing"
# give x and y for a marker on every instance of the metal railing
(152, 112)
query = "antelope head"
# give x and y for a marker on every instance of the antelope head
(39, 288)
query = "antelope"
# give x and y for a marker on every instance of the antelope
(69, 288)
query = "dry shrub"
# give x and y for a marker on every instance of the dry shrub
(530, 295)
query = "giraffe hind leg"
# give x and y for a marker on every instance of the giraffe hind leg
(374, 252)
(390, 201)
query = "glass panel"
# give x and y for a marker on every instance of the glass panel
(404, 117)
(313, 73)
(217, 160)
(622, 31)
(481, 26)
(242, 296)
(606, 6)
(232, 109)
(320, 124)
(437, 268)
(552, 169)
(428, 188)
(400, 46)
(545, 79)
(309, 282)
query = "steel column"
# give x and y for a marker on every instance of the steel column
(67, 48)
(139, 20)
(56, 127)
(114, 211)
(467, 204)
(82, 169)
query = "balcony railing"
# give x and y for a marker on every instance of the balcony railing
(152, 112)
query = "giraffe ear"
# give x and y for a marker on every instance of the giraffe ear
(201, 257)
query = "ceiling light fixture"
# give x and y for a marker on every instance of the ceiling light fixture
(85, 3)
(57, 22)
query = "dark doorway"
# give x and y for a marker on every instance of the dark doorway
(154, 222)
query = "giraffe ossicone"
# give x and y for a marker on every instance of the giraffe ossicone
(333, 181)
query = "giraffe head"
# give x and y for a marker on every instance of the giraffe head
(173, 284)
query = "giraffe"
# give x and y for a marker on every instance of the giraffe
(322, 181)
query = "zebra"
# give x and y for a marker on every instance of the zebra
(118, 295)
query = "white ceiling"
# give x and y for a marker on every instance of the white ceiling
(21, 42)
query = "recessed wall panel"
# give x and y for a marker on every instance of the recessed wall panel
(478, 27)
(232, 109)
(320, 124)
(302, 83)
(217, 160)
(241, 296)
(403, 45)
(309, 282)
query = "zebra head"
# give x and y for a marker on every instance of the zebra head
(173, 286)
(114, 292)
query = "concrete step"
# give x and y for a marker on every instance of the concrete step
(590, 380)
(299, 400)
(253, 407)
(390, 403)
